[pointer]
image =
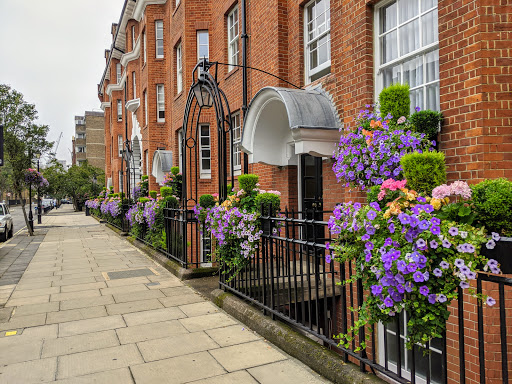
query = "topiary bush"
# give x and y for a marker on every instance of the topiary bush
(394, 100)
(264, 200)
(175, 170)
(143, 200)
(115, 195)
(165, 192)
(424, 171)
(427, 122)
(207, 201)
(153, 194)
(144, 177)
(171, 201)
(248, 182)
(493, 204)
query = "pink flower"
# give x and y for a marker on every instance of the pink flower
(401, 120)
(441, 192)
(461, 188)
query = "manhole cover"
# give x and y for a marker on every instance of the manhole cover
(129, 273)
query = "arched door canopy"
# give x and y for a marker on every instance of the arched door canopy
(162, 164)
(283, 122)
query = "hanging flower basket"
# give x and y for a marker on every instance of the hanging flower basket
(34, 178)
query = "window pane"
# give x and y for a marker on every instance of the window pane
(323, 49)
(408, 9)
(205, 130)
(391, 75)
(205, 163)
(313, 56)
(436, 374)
(429, 27)
(389, 49)
(388, 17)
(416, 99)
(432, 60)
(409, 37)
(413, 72)
(433, 97)
(421, 362)
(427, 4)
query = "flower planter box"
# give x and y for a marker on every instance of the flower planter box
(502, 253)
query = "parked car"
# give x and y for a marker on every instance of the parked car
(6, 224)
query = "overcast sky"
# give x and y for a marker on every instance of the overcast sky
(52, 51)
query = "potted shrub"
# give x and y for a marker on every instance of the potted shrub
(492, 201)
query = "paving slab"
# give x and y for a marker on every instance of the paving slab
(24, 321)
(150, 331)
(75, 295)
(84, 303)
(82, 287)
(201, 323)
(285, 372)
(76, 314)
(33, 309)
(80, 343)
(13, 351)
(28, 300)
(153, 316)
(122, 375)
(34, 371)
(99, 360)
(177, 300)
(198, 309)
(133, 306)
(240, 377)
(231, 335)
(34, 292)
(242, 356)
(176, 345)
(177, 370)
(90, 325)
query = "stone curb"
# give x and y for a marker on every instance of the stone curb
(320, 359)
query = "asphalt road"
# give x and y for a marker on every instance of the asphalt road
(18, 219)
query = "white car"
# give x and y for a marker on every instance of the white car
(6, 225)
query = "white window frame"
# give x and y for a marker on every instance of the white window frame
(119, 110)
(119, 73)
(205, 173)
(309, 73)
(198, 34)
(146, 161)
(80, 149)
(423, 51)
(233, 49)
(159, 39)
(180, 149)
(236, 156)
(121, 182)
(134, 85)
(120, 145)
(179, 69)
(133, 37)
(145, 108)
(145, 53)
(206, 261)
(80, 135)
(160, 103)
(406, 373)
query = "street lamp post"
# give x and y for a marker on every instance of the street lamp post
(38, 195)
(30, 215)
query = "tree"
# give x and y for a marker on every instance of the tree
(22, 138)
(57, 179)
(83, 182)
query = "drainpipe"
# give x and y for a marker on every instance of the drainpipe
(127, 146)
(244, 73)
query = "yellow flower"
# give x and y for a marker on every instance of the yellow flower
(436, 203)
(447, 200)
(387, 214)
(406, 203)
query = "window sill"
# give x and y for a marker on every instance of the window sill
(205, 176)
(231, 73)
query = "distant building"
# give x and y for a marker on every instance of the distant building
(89, 139)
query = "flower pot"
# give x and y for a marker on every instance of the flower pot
(502, 253)
(87, 211)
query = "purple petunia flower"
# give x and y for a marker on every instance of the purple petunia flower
(328, 258)
(391, 228)
(417, 109)
(465, 270)
(490, 301)
(414, 221)
(495, 236)
(404, 218)
(376, 290)
(437, 272)
(420, 243)
(368, 257)
(454, 231)
(371, 215)
(464, 284)
(388, 302)
(435, 221)
(471, 275)
(428, 208)
(424, 290)
(418, 277)
(424, 224)
(369, 245)
(408, 286)
(459, 263)
(375, 206)
(421, 199)
(490, 244)
(441, 298)
(446, 243)
(433, 244)
(365, 237)
(435, 230)
(400, 265)
(444, 264)
(432, 298)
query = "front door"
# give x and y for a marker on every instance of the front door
(312, 193)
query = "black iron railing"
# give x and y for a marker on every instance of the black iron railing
(289, 279)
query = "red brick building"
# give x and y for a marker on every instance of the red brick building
(331, 57)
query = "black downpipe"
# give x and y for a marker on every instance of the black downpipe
(244, 74)
(127, 142)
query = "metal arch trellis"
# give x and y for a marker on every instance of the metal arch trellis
(204, 93)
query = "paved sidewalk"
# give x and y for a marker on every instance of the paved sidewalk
(78, 322)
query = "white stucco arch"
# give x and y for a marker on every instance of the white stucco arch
(282, 123)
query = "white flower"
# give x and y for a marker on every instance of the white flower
(463, 234)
